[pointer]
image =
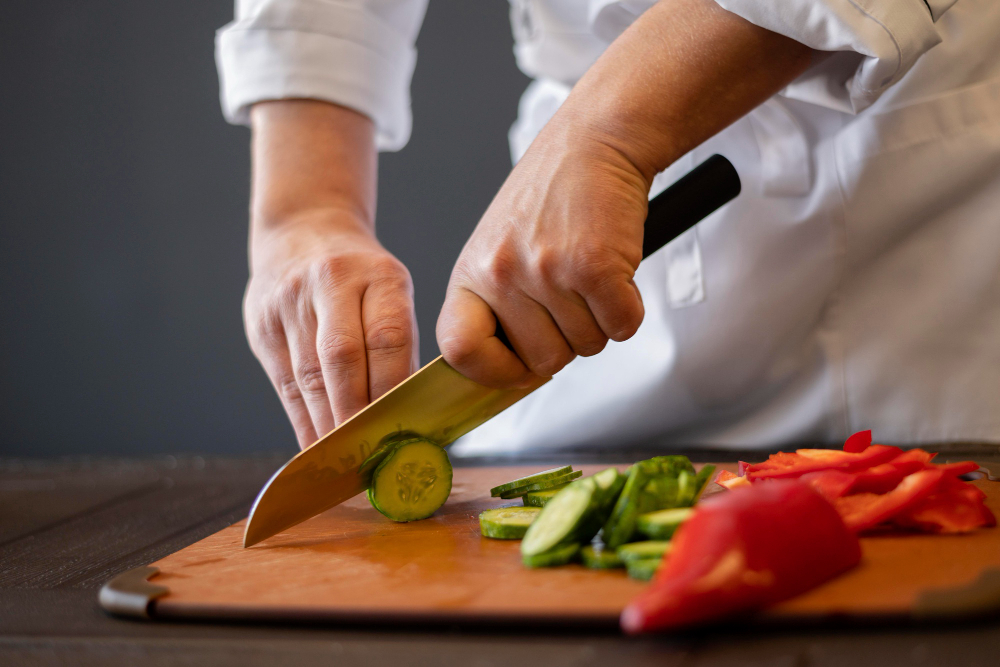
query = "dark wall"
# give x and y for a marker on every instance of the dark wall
(123, 199)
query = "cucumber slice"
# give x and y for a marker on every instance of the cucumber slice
(671, 465)
(412, 481)
(685, 489)
(530, 479)
(642, 550)
(539, 498)
(643, 569)
(661, 525)
(660, 492)
(610, 483)
(558, 556)
(599, 558)
(620, 524)
(507, 523)
(701, 481)
(562, 480)
(563, 519)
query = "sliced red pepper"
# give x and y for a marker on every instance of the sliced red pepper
(831, 484)
(958, 468)
(858, 442)
(730, 481)
(790, 466)
(862, 511)
(755, 546)
(955, 507)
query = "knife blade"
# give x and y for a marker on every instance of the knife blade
(437, 401)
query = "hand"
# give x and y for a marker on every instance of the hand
(553, 258)
(329, 314)
(554, 255)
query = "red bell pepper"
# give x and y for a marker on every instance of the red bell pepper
(790, 466)
(742, 550)
(954, 507)
(958, 468)
(858, 442)
(831, 484)
(863, 511)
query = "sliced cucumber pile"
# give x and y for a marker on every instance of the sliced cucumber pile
(635, 514)
(539, 498)
(662, 524)
(507, 523)
(411, 480)
(537, 478)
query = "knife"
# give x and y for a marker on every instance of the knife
(439, 403)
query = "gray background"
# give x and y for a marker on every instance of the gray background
(123, 199)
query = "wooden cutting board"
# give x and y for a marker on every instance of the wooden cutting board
(351, 564)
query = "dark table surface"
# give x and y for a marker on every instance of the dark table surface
(67, 526)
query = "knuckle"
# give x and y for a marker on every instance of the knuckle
(332, 271)
(458, 350)
(552, 364)
(289, 293)
(288, 389)
(388, 335)
(500, 267)
(338, 349)
(591, 346)
(547, 264)
(310, 380)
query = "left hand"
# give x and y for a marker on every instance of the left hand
(553, 258)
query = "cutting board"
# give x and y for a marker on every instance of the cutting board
(351, 564)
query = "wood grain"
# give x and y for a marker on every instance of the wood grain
(352, 564)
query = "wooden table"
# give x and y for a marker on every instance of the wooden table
(67, 526)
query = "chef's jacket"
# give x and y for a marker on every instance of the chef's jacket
(854, 284)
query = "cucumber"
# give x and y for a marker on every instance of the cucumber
(642, 550)
(599, 558)
(564, 519)
(620, 524)
(672, 465)
(609, 483)
(539, 498)
(530, 479)
(558, 556)
(507, 523)
(412, 481)
(685, 489)
(660, 492)
(551, 483)
(643, 569)
(662, 524)
(382, 449)
(701, 481)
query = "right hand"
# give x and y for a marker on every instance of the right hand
(329, 314)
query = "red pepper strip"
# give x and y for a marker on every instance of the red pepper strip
(831, 484)
(742, 550)
(730, 481)
(956, 507)
(866, 510)
(858, 442)
(958, 468)
(786, 466)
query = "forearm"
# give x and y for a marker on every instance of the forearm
(312, 157)
(681, 73)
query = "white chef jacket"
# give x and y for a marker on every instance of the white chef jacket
(854, 284)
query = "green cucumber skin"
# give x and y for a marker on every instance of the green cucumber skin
(495, 525)
(541, 486)
(563, 520)
(620, 525)
(600, 558)
(560, 555)
(655, 528)
(701, 481)
(530, 479)
(539, 498)
(643, 550)
(643, 569)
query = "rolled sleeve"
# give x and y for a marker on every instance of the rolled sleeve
(359, 54)
(890, 35)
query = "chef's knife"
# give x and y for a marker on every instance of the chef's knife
(437, 401)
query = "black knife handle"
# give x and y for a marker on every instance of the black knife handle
(694, 197)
